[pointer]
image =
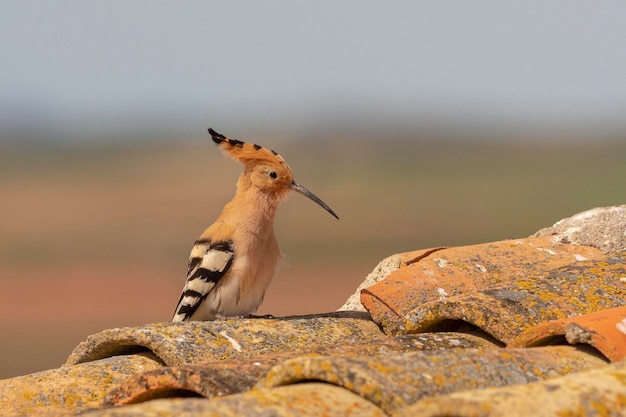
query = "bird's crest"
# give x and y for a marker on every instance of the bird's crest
(277, 179)
(247, 153)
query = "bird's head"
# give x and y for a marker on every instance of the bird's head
(265, 169)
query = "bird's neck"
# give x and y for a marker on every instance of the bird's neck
(251, 210)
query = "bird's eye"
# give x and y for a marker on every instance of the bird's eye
(272, 174)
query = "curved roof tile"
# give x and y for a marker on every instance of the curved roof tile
(69, 387)
(452, 271)
(238, 375)
(303, 400)
(604, 330)
(505, 311)
(598, 392)
(395, 381)
(199, 342)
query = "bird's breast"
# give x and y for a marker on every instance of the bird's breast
(250, 275)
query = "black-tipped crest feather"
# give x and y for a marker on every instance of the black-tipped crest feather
(248, 153)
(217, 137)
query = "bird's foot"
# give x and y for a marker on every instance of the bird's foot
(267, 316)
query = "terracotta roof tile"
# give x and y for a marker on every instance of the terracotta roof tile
(500, 275)
(505, 311)
(238, 375)
(208, 381)
(598, 392)
(604, 330)
(380, 272)
(395, 381)
(309, 399)
(69, 388)
(204, 342)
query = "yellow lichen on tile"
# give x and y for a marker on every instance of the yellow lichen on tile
(71, 387)
(455, 271)
(586, 393)
(204, 342)
(308, 399)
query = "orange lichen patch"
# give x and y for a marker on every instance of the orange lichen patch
(597, 392)
(505, 311)
(604, 330)
(427, 276)
(198, 342)
(69, 388)
(395, 381)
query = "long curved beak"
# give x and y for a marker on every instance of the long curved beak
(297, 187)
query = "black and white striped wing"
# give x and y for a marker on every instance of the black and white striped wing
(208, 263)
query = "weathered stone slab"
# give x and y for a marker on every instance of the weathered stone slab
(600, 227)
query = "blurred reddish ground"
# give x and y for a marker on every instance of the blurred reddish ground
(94, 238)
(44, 320)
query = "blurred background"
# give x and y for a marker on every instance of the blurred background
(421, 124)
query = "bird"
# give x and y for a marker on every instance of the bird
(233, 261)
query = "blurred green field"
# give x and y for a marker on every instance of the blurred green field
(98, 236)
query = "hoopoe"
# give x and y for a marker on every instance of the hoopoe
(233, 261)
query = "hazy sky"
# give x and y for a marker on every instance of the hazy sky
(78, 63)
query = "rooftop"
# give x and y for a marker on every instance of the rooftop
(530, 326)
